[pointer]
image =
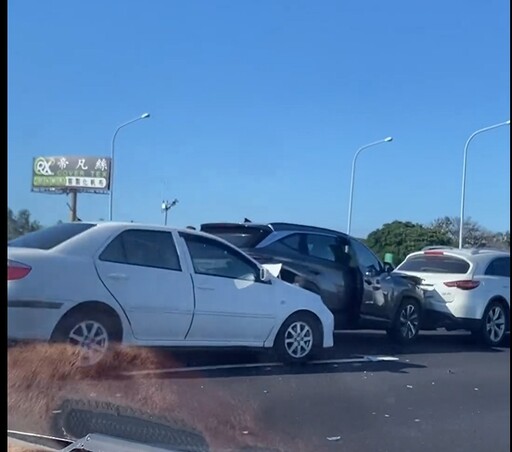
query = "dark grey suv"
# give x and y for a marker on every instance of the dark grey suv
(354, 284)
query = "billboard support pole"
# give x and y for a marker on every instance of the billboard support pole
(74, 195)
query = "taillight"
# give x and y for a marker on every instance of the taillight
(466, 284)
(16, 270)
(433, 253)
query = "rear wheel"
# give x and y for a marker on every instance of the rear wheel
(494, 324)
(406, 324)
(298, 339)
(93, 333)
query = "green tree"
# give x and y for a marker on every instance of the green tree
(20, 224)
(404, 237)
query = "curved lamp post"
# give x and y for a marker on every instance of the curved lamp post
(351, 195)
(111, 194)
(464, 165)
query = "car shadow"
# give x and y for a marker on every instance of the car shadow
(427, 342)
(354, 351)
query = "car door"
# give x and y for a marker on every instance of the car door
(142, 270)
(326, 260)
(374, 298)
(232, 304)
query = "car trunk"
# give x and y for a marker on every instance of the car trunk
(442, 275)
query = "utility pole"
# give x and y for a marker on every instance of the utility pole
(166, 206)
(72, 206)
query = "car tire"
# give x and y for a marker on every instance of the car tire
(493, 326)
(94, 332)
(298, 339)
(406, 325)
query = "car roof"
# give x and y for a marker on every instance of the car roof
(470, 254)
(126, 224)
(277, 226)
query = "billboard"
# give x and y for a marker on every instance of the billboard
(61, 174)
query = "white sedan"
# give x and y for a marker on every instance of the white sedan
(93, 285)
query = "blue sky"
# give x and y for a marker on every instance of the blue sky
(257, 107)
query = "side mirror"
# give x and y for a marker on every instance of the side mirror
(264, 274)
(370, 271)
(388, 268)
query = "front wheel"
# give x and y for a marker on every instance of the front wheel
(298, 338)
(406, 324)
(493, 325)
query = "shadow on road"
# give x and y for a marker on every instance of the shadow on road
(235, 371)
(377, 343)
(347, 345)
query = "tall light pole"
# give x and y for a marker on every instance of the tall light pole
(464, 165)
(111, 194)
(351, 195)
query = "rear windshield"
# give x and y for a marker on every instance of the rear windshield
(434, 264)
(240, 237)
(48, 238)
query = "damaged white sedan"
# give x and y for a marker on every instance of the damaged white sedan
(95, 284)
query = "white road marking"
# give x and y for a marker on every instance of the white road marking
(361, 359)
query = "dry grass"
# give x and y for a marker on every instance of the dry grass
(40, 377)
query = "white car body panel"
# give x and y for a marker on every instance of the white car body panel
(157, 307)
(466, 304)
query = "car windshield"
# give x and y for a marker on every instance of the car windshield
(435, 264)
(259, 225)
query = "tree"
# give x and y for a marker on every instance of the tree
(20, 224)
(474, 234)
(401, 238)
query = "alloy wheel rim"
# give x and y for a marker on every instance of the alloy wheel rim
(495, 324)
(409, 321)
(298, 339)
(92, 340)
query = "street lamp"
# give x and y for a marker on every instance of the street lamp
(166, 206)
(464, 164)
(351, 195)
(111, 194)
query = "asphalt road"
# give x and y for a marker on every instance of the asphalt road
(442, 393)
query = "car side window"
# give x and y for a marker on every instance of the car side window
(499, 267)
(322, 246)
(365, 257)
(213, 258)
(146, 248)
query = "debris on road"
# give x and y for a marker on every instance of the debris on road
(416, 420)
(409, 386)
(333, 438)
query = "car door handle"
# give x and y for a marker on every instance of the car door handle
(117, 276)
(205, 288)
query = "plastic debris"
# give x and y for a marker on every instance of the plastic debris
(333, 438)
(245, 432)
(386, 415)
(476, 389)
(416, 420)
(409, 386)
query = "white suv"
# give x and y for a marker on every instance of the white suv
(464, 289)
